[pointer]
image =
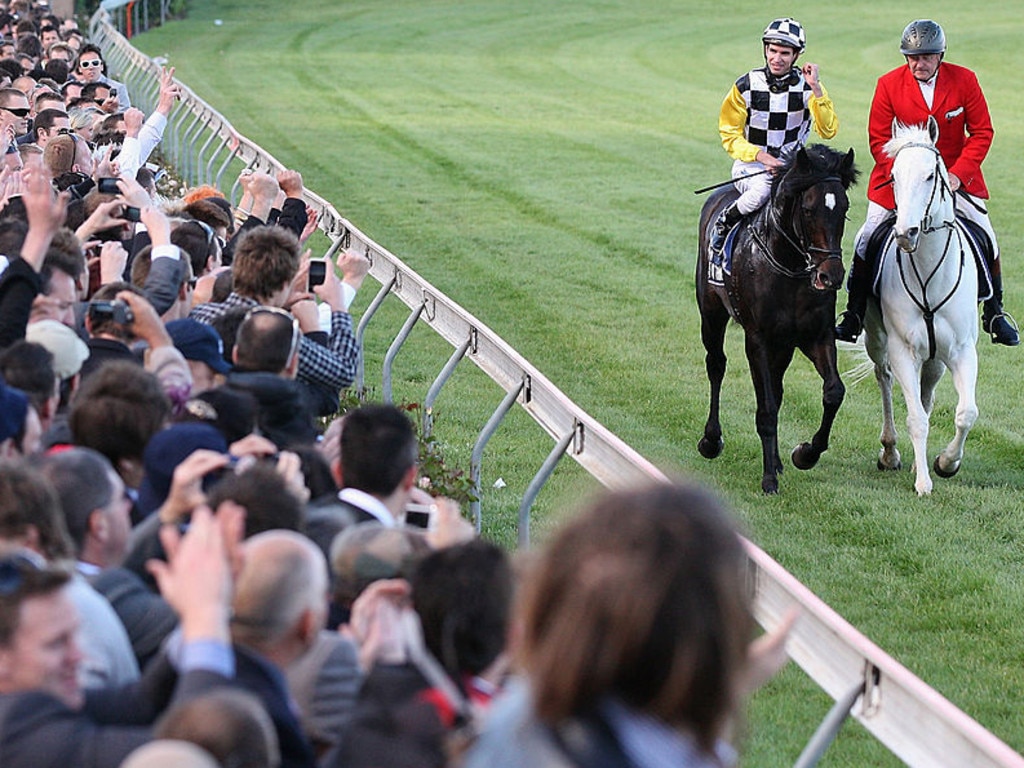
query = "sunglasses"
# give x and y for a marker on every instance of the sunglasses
(75, 137)
(90, 63)
(211, 236)
(278, 312)
(17, 111)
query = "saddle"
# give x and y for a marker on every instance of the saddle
(975, 236)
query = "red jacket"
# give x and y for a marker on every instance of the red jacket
(959, 107)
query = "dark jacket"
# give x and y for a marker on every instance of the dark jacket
(283, 415)
(39, 731)
(261, 678)
(19, 285)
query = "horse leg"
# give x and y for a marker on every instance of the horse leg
(766, 370)
(875, 343)
(965, 374)
(823, 355)
(714, 321)
(908, 374)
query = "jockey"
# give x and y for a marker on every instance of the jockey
(928, 86)
(768, 114)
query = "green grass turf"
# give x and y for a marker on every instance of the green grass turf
(535, 161)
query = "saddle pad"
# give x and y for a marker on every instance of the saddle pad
(976, 238)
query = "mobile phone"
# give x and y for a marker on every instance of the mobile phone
(317, 272)
(419, 515)
(131, 213)
(108, 186)
(116, 311)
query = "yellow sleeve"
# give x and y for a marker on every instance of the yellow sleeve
(823, 115)
(731, 121)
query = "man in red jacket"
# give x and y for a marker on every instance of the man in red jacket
(929, 86)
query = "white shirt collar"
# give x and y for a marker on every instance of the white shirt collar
(928, 88)
(370, 504)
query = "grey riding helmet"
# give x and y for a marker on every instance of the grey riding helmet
(921, 37)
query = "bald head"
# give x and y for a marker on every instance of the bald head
(281, 593)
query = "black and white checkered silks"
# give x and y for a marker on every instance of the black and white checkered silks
(776, 122)
(786, 30)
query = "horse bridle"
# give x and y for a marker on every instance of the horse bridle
(939, 183)
(927, 311)
(799, 247)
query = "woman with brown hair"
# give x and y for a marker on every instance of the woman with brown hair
(633, 637)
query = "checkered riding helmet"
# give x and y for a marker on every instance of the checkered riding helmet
(785, 32)
(922, 37)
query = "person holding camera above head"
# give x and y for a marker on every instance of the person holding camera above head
(119, 315)
(269, 270)
(768, 113)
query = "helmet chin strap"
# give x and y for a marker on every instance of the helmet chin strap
(780, 83)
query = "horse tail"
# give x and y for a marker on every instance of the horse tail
(857, 352)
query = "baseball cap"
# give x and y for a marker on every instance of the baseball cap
(13, 409)
(165, 451)
(66, 346)
(200, 342)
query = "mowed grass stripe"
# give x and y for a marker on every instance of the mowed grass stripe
(535, 162)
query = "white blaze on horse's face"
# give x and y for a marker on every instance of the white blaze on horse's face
(915, 176)
(830, 201)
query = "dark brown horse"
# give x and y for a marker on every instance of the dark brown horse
(786, 268)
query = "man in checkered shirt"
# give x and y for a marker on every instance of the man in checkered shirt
(266, 263)
(768, 113)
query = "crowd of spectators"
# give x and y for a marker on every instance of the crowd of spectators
(194, 570)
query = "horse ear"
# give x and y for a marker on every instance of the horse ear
(847, 169)
(895, 127)
(933, 128)
(801, 161)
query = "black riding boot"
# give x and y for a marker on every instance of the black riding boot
(726, 220)
(851, 322)
(993, 319)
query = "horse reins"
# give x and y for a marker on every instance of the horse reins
(802, 250)
(928, 312)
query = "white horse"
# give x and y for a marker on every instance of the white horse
(926, 319)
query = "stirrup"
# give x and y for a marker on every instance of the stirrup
(849, 327)
(1001, 336)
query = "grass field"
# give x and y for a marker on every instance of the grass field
(536, 161)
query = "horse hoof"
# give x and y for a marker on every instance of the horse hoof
(804, 456)
(890, 462)
(770, 486)
(710, 449)
(941, 472)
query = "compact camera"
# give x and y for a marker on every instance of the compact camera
(116, 311)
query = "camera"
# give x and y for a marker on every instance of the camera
(107, 186)
(131, 213)
(116, 311)
(419, 515)
(317, 273)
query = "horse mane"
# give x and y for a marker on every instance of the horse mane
(904, 135)
(821, 162)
